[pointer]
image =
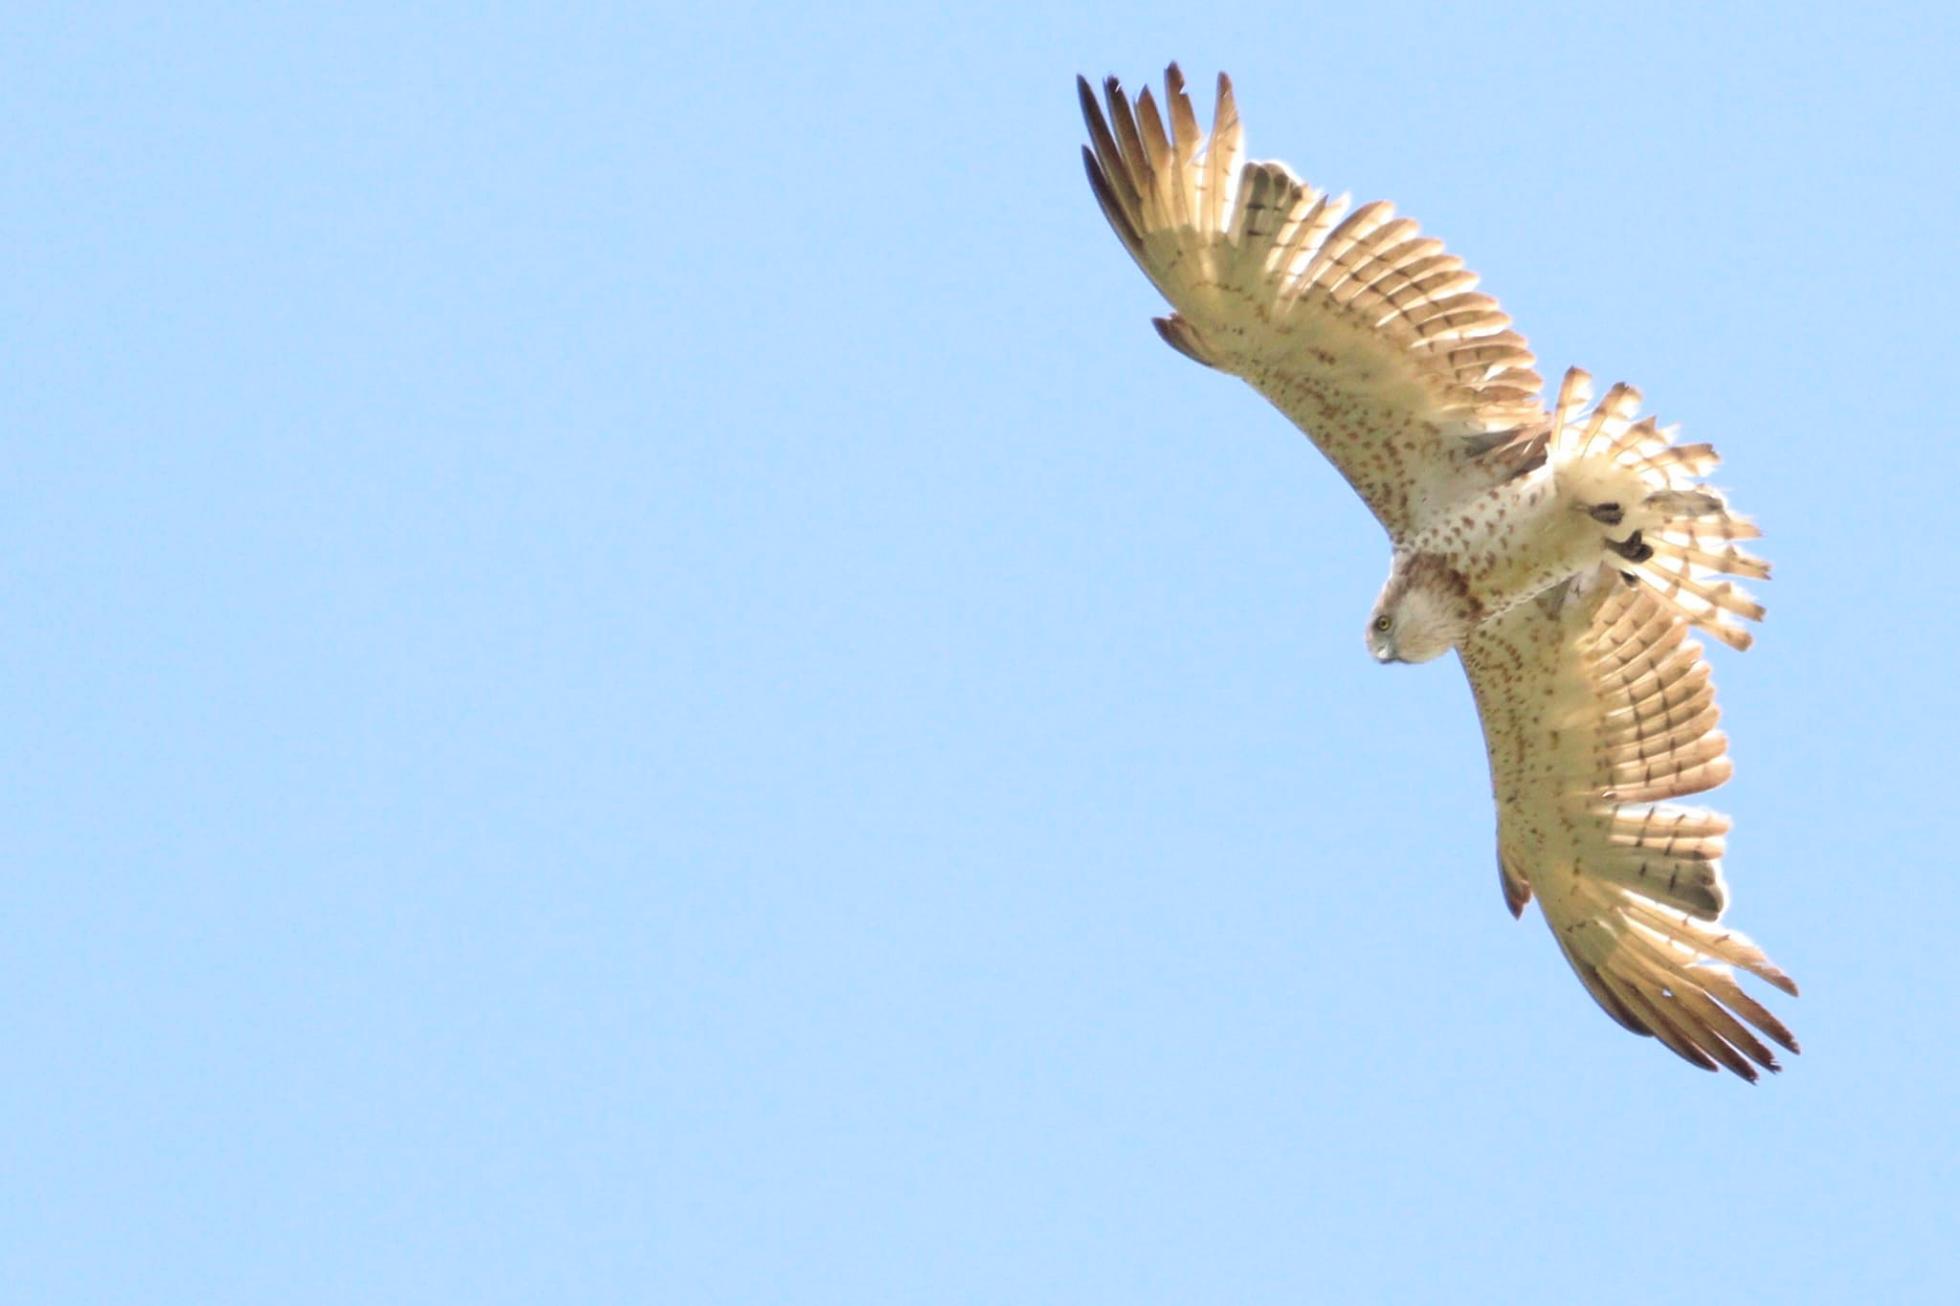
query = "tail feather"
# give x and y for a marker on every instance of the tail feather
(1676, 533)
(1693, 459)
(1734, 561)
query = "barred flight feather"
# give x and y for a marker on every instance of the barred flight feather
(1596, 710)
(1348, 319)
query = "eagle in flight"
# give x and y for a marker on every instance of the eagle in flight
(1563, 554)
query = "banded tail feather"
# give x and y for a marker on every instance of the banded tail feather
(1672, 533)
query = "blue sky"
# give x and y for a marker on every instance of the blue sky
(632, 677)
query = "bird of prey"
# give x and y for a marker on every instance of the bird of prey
(1564, 552)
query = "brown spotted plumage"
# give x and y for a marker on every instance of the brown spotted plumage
(1512, 524)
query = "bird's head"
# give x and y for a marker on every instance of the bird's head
(1424, 610)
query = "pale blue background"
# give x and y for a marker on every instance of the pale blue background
(630, 676)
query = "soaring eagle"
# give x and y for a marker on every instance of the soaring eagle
(1563, 553)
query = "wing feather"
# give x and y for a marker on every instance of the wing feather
(1368, 335)
(1595, 707)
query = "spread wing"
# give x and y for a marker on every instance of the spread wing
(1365, 333)
(1597, 709)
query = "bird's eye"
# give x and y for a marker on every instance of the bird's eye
(1382, 623)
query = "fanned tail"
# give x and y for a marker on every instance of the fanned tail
(1666, 530)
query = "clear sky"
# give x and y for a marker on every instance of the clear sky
(630, 676)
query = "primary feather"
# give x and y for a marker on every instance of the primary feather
(1366, 334)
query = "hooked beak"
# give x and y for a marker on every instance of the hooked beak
(1384, 657)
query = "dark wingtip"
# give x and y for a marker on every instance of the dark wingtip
(1106, 197)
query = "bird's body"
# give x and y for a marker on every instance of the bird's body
(1463, 530)
(1564, 552)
